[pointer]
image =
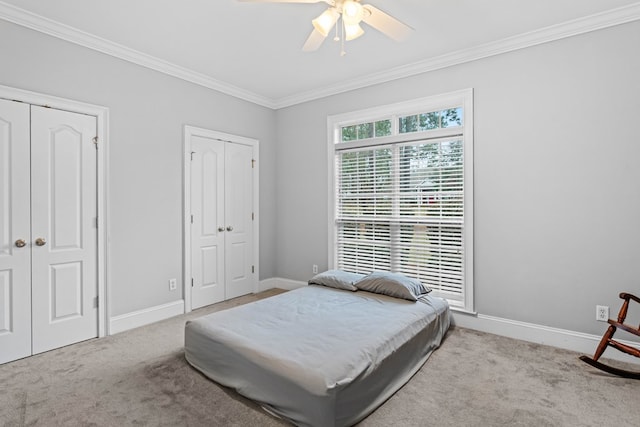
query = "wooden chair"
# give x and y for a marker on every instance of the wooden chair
(607, 340)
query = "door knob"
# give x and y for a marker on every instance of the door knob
(40, 241)
(229, 228)
(220, 229)
(21, 243)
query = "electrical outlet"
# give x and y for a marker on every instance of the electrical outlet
(173, 284)
(315, 269)
(602, 313)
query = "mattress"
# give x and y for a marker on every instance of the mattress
(318, 356)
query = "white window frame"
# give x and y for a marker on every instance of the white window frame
(335, 123)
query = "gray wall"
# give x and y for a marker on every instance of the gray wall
(557, 178)
(147, 112)
(557, 198)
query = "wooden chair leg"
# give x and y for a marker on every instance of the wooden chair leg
(604, 342)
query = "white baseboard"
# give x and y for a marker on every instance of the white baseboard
(540, 334)
(278, 282)
(135, 319)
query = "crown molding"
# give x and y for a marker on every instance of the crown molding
(56, 29)
(571, 28)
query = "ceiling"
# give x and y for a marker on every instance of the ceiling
(253, 50)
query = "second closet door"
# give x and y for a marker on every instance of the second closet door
(238, 208)
(222, 216)
(207, 221)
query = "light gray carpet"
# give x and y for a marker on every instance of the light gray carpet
(140, 378)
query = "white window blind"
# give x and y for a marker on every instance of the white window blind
(400, 206)
(364, 209)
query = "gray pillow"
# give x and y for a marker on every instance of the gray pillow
(394, 285)
(338, 279)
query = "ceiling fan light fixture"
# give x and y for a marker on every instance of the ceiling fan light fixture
(352, 12)
(352, 31)
(325, 22)
(346, 17)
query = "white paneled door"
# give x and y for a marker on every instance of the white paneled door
(221, 220)
(207, 221)
(48, 235)
(238, 207)
(15, 232)
(63, 228)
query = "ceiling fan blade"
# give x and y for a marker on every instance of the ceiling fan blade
(284, 1)
(385, 23)
(314, 41)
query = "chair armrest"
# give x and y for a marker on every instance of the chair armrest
(627, 296)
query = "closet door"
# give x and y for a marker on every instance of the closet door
(221, 223)
(239, 221)
(15, 236)
(64, 233)
(48, 234)
(207, 222)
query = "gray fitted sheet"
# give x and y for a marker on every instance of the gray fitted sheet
(318, 356)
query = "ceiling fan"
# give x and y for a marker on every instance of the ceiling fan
(351, 13)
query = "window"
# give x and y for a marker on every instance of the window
(401, 193)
